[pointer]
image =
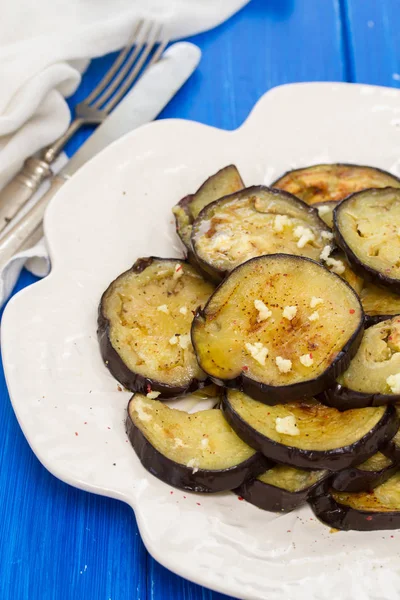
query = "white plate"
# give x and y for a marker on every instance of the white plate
(117, 208)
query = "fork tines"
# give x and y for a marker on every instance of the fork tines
(143, 49)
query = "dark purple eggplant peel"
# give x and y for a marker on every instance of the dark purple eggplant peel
(253, 222)
(363, 511)
(366, 226)
(333, 182)
(197, 452)
(144, 325)
(279, 328)
(366, 476)
(372, 378)
(309, 435)
(281, 488)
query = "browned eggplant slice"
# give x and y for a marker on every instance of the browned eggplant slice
(226, 181)
(362, 511)
(325, 211)
(367, 476)
(392, 447)
(328, 182)
(379, 303)
(373, 377)
(198, 452)
(367, 227)
(279, 327)
(281, 488)
(144, 323)
(308, 434)
(254, 222)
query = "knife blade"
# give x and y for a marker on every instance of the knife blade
(151, 93)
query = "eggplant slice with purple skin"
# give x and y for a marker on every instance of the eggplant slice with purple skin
(379, 303)
(367, 227)
(254, 222)
(281, 488)
(144, 323)
(367, 476)
(279, 328)
(327, 182)
(392, 447)
(362, 511)
(198, 452)
(373, 376)
(308, 434)
(226, 181)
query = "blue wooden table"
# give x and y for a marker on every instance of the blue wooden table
(55, 541)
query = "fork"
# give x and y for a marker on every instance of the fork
(92, 111)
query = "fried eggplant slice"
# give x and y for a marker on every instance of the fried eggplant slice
(392, 447)
(362, 511)
(333, 182)
(226, 181)
(254, 222)
(308, 434)
(373, 377)
(198, 452)
(379, 303)
(279, 328)
(367, 476)
(367, 228)
(144, 324)
(281, 488)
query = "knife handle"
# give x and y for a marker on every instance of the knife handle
(12, 241)
(21, 188)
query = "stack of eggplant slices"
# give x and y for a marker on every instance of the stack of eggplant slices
(285, 316)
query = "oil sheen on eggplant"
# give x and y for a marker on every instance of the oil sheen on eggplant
(379, 303)
(307, 434)
(144, 324)
(281, 488)
(279, 327)
(328, 182)
(371, 378)
(226, 181)
(362, 511)
(253, 222)
(366, 476)
(198, 452)
(367, 228)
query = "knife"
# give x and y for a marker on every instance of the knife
(142, 104)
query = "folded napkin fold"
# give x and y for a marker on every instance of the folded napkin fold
(45, 46)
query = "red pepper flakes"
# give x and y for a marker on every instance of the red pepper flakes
(85, 423)
(198, 503)
(148, 388)
(311, 355)
(392, 536)
(368, 518)
(184, 497)
(171, 492)
(178, 268)
(240, 498)
(76, 433)
(119, 388)
(289, 531)
(352, 311)
(108, 427)
(245, 368)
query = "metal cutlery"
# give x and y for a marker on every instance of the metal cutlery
(142, 104)
(92, 111)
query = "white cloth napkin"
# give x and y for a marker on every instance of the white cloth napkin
(44, 48)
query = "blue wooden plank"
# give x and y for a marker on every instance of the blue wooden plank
(49, 532)
(373, 40)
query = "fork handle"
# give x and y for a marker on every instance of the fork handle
(50, 153)
(21, 188)
(12, 241)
